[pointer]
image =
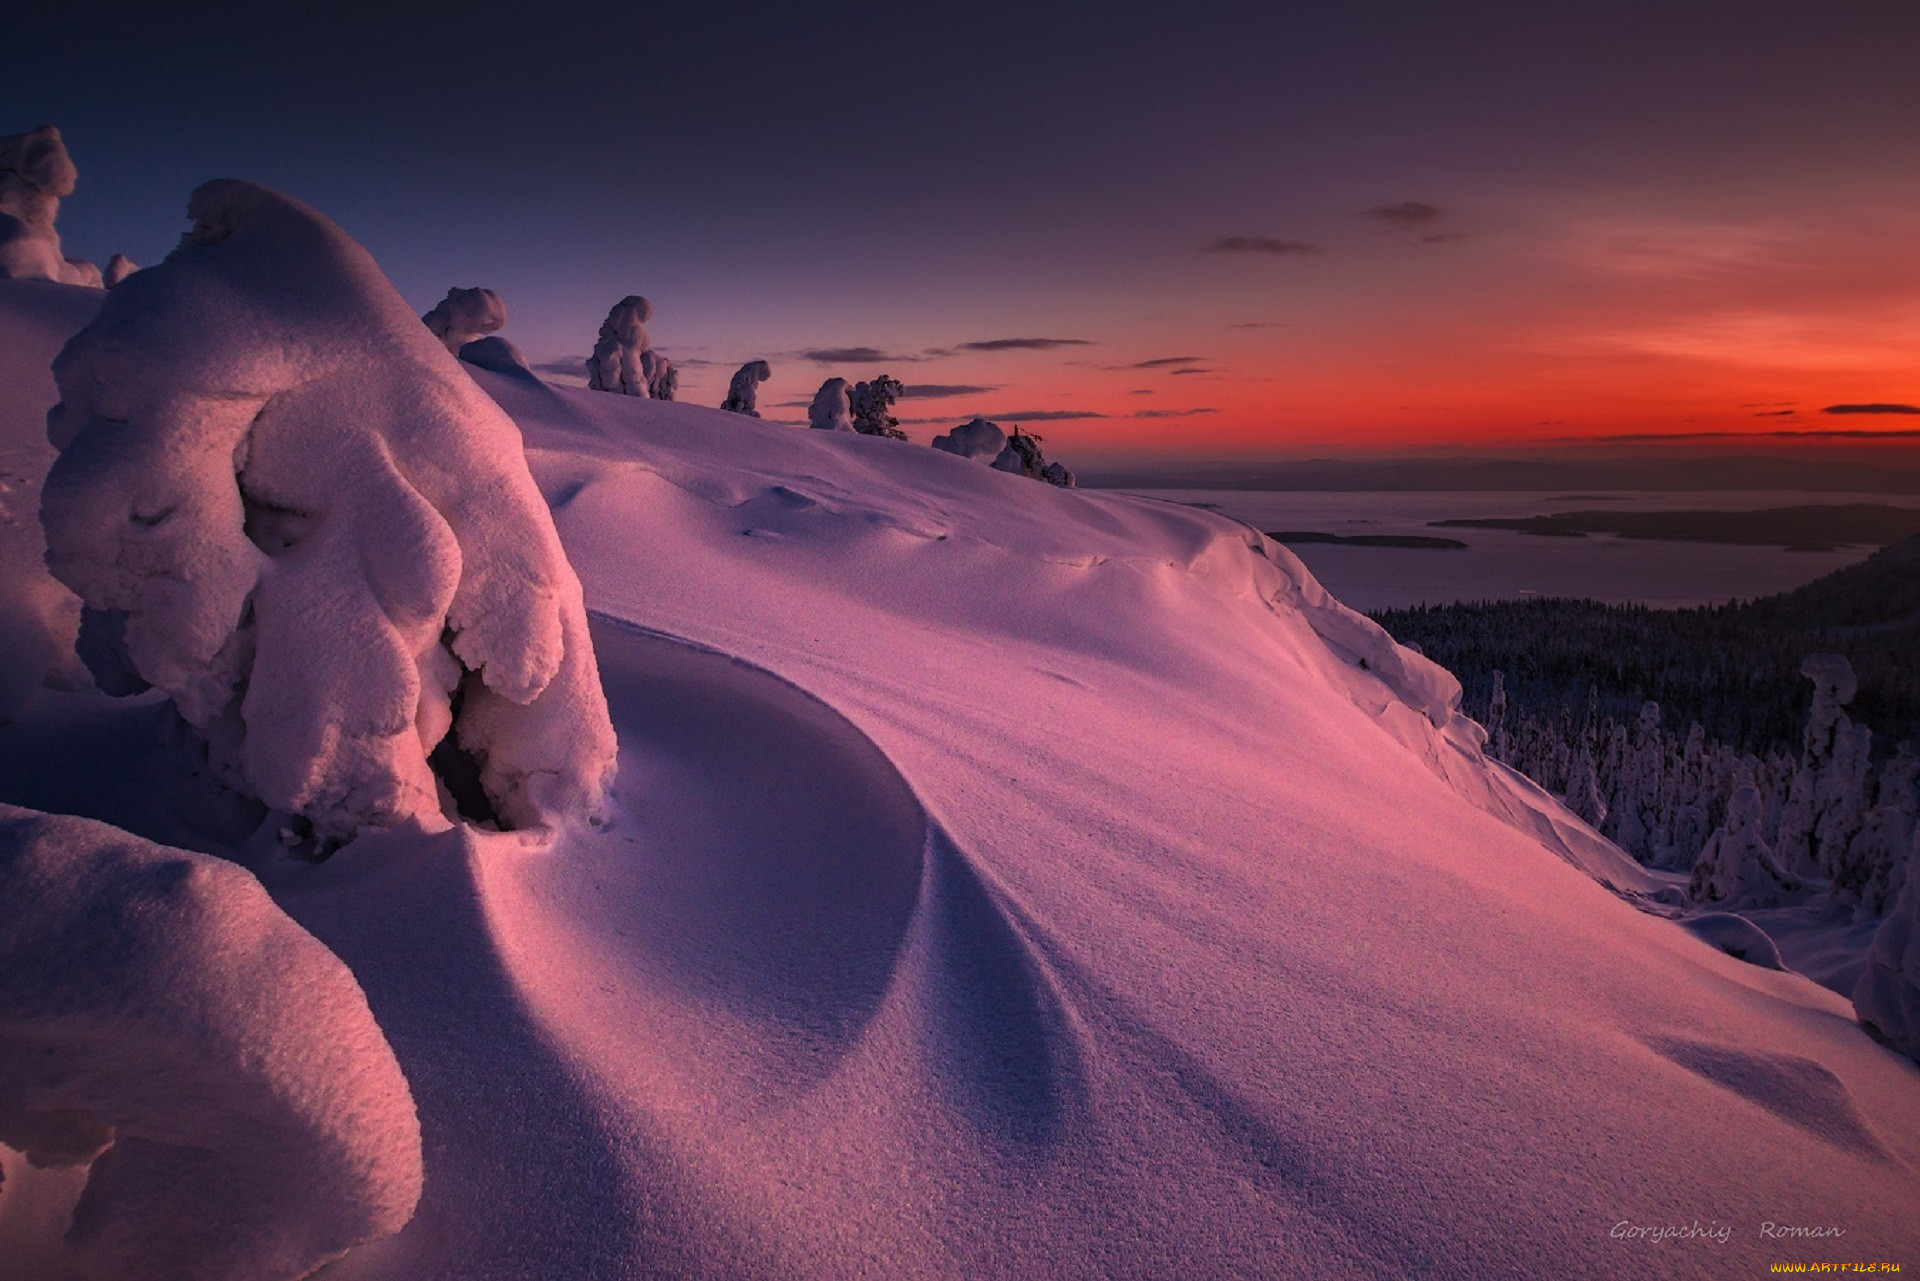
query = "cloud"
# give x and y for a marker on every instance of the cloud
(1259, 245)
(1876, 408)
(1258, 324)
(1408, 213)
(564, 365)
(1778, 413)
(1195, 370)
(935, 391)
(1802, 433)
(1441, 238)
(1023, 344)
(851, 356)
(1143, 391)
(1173, 413)
(1160, 362)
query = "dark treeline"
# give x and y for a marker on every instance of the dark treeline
(1734, 669)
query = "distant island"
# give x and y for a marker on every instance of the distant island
(1368, 540)
(1808, 528)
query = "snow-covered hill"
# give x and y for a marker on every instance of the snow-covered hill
(1005, 880)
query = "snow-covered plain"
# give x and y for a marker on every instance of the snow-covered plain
(1004, 880)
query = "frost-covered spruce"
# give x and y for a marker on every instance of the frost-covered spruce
(216, 1065)
(663, 380)
(1887, 997)
(975, 438)
(1736, 869)
(872, 405)
(743, 392)
(1024, 457)
(464, 316)
(616, 363)
(319, 535)
(35, 172)
(1886, 836)
(1834, 686)
(829, 410)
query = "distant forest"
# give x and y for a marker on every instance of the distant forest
(1734, 669)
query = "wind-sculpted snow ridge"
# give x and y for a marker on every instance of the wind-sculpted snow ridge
(464, 316)
(975, 438)
(497, 354)
(35, 173)
(162, 1022)
(316, 534)
(744, 390)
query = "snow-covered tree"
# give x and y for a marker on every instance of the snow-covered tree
(830, 410)
(35, 173)
(663, 380)
(872, 405)
(318, 534)
(1887, 997)
(464, 316)
(744, 390)
(1024, 457)
(616, 364)
(163, 1022)
(119, 267)
(1736, 868)
(1887, 834)
(1834, 686)
(975, 438)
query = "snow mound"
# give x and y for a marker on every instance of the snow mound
(497, 354)
(975, 438)
(320, 536)
(464, 316)
(1737, 937)
(162, 1020)
(744, 390)
(35, 172)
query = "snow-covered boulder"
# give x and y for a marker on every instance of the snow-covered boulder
(464, 316)
(975, 438)
(35, 172)
(497, 354)
(163, 1021)
(1737, 868)
(616, 364)
(320, 533)
(745, 388)
(829, 410)
(1888, 995)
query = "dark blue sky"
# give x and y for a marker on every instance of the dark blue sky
(911, 180)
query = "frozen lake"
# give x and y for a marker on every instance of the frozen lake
(1503, 564)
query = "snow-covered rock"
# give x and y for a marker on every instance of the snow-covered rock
(744, 390)
(35, 173)
(321, 534)
(163, 1021)
(618, 363)
(829, 410)
(975, 438)
(464, 316)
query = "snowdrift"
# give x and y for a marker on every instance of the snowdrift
(1006, 880)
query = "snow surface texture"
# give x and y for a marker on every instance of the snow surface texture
(1012, 881)
(218, 1068)
(623, 361)
(35, 172)
(1888, 997)
(464, 316)
(744, 390)
(975, 438)
(319, 536)
(829, 410)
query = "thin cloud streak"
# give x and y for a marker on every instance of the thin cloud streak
(1260, 245)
